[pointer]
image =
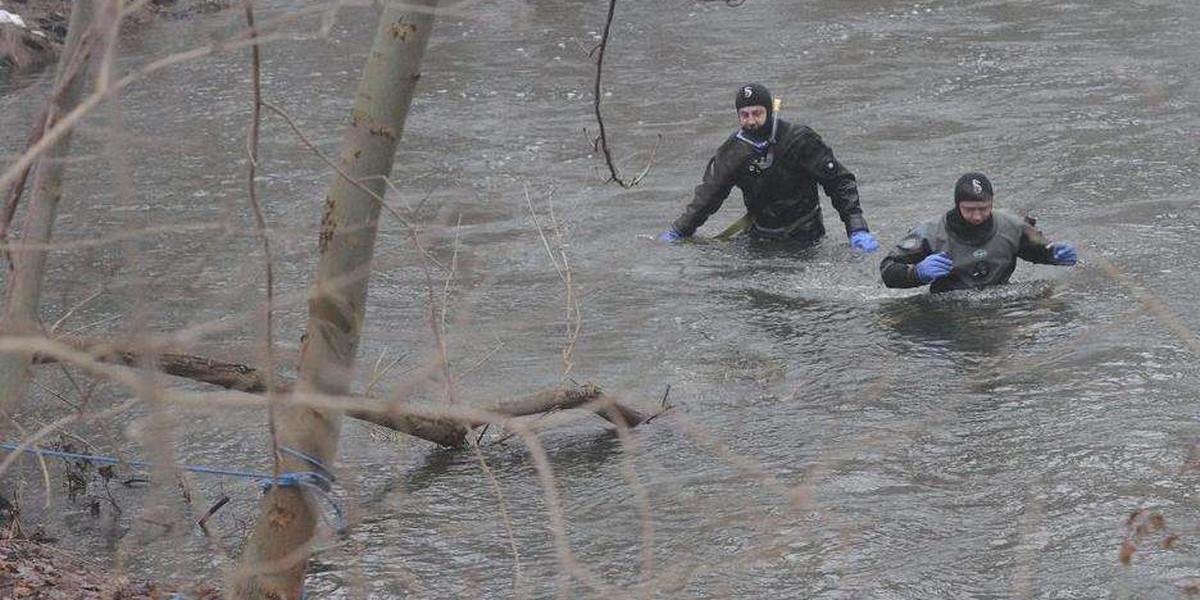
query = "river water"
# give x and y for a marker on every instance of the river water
(830, 438)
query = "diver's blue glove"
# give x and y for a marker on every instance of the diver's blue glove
(671, 235)
(934, 266)
(1063, 253)
(862, 240)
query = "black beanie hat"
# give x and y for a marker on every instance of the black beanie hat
(972, 187)
(753, 94)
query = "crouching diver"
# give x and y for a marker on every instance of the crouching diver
(777, 165)
(971, 246)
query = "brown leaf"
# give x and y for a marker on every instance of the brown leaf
(1127, 550)
(1157, 522)
(1133, 517)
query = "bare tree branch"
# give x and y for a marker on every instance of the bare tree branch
(602, 141)
(260, 224)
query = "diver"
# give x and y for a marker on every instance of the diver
(777, 165)
(971, 246)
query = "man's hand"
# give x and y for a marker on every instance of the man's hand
(934, 266)
(1064, 254)
(670, 236)
(863, 241)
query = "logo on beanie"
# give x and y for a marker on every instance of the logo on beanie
(976, 187)
(746, 91)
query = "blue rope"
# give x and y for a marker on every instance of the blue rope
(309, 459)
(314, 481)
(319, 482)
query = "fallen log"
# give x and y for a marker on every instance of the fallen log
(445, 432)
(231, 376)
(566, 398)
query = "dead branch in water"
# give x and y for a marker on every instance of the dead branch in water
(445, 432)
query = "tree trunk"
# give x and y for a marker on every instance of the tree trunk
(24, 293)
(276, 556)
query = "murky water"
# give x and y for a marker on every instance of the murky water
(831, 438)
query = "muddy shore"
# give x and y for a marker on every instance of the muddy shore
(38, 571)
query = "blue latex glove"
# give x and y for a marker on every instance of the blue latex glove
(862, 240)
(671, 235)
(1064, 254)
(934, 266)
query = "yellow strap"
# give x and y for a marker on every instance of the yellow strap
(738, 226)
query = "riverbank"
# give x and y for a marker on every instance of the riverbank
(36, 571)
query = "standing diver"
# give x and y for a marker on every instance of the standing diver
(777, 166)
(971, 246)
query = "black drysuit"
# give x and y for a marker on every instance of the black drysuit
(983, 255)
(779, 185)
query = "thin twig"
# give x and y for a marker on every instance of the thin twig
(379, 373)
(574, 321)
(443, 353)
(54, 393)
(665, 408)
(574, 317)
(71, 311)
(532, 427)
(203, 522)
(260, 224)
(602, 141)
(93, 324)
(356, 183)
(481, 361)
(32, 440)
(554, 510)
(1154, 304)
(83, 396)
(41, 463)
(502, 505)
(545, 242)
(645, 516)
